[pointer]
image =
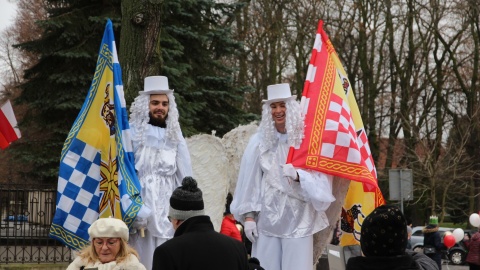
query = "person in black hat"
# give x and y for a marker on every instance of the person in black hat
(195, 244)
(383, 242)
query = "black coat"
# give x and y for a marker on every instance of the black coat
(196, 245)
(431, 237)
(410, 261)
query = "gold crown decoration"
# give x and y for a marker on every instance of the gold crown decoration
(433, 220)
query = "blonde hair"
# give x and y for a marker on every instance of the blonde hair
(90, 254)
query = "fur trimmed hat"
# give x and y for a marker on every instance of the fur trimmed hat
(108, 227)
(384, 232)
(186, 201)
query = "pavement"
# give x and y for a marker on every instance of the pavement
(454, 267)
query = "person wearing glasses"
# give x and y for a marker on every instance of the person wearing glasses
(108, 249)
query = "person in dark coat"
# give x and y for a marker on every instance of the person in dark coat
(473, 246)
(195, 244)
(383, 242)
(432, 242)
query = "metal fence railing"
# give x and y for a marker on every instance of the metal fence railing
(26, 214)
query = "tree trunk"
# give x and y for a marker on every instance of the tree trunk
(139, 44)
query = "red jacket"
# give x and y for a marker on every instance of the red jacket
(229, 228)
(473, 246)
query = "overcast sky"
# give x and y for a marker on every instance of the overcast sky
(7, 13)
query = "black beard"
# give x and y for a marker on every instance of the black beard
(157, 122)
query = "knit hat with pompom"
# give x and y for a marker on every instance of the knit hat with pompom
(186, 201)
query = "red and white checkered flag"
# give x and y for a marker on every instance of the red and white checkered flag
(335, 141)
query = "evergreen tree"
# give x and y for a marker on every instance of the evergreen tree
(55, 88)
(198, 50)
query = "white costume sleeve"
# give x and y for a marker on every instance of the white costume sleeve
(133, 133)
(316, 188)
(247, 197)
(184, 164)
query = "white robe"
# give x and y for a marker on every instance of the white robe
(283, 208)
(161, 166)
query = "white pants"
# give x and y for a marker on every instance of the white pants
(284, 253)
(145, 246)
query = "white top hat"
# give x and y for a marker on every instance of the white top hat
(155, 85)
(279, 92)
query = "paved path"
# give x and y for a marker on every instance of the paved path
(455, 267)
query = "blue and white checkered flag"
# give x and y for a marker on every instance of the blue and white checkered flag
(97, 175)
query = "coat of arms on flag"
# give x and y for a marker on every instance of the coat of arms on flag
(97, 176)
(335, 139)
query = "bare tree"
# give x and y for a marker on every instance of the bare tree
(24, 28)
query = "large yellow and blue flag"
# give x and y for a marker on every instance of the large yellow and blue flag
(97, 175)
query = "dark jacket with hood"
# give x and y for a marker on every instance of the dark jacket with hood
(431, 237)
(196, 245)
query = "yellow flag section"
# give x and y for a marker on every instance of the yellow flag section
(335, 139)
(360, 202)
(362, 198)
(99, 131)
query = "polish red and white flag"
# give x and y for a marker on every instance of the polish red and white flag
(8, 126)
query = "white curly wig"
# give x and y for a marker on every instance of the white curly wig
(294, 125)
(139, 118)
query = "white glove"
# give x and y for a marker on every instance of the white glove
(141, 219)
(251, 230)
(140, 223)
(290, 172)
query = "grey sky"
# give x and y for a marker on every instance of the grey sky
(7, 13)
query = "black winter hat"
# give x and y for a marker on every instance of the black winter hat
(384, 232)
(186, 201)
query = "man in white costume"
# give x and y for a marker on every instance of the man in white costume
(281, 206)
(162, 160)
